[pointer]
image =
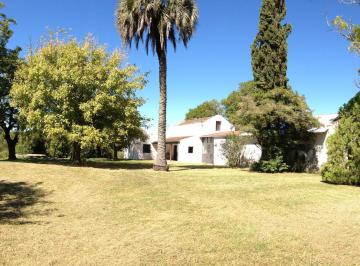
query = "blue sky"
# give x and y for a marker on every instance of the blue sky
(218, 57)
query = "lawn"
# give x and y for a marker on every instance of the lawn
(126, 214)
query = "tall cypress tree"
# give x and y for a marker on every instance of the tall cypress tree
(276, 115)
(269, 50)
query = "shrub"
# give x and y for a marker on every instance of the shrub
(276, 165)
(343, 166)
(233, 151)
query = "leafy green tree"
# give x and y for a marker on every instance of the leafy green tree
(206, 109)
(9, 62)
(231, 103)
(343, 166)
(270, 48)
(278, 118)
(267, 107)
(350, 31)
(78, 93)
(158, 21)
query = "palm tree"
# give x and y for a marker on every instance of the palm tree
(157, 22)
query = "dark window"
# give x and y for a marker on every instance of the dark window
(218, 125)
(191, 150)
(146, 148)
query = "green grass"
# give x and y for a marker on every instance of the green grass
(123, 213)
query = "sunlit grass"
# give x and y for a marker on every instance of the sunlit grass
(123, 213)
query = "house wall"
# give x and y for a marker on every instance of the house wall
(200, 128)
(135, 152)
(196, 130)
(321, 139)
(321, 147)
(219, 158)
(186, 157)
(252, 152)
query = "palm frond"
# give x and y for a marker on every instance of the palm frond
(157, 22)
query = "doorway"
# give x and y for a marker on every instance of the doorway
(208, 150)
(175, 153)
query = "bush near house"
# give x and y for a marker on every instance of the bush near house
(233, 151)
(276, 165)
(343, 166)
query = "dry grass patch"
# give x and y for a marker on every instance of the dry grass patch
(114, 214)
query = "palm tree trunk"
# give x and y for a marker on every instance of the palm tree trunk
(160, 163)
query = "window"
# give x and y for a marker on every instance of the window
(218, 125)
(146, 148)
(191, 150)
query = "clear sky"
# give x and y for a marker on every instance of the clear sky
(218, 57)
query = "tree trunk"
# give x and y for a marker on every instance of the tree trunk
(98, 152)
(76, 154)
(115, 155)
(11, 143)
(160, 163)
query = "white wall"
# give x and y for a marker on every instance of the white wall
(251, 152)
(329, 125)
(200, 128)
(219, 158)
(186, 157)
(321, 145)
(135, 152)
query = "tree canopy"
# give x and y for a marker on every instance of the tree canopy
(231, 103)
(350, 31)
(78, 92)
(206, 109)
(343, 166)
(270, 48)
(279, 119)
(8, 64)
(268, 107)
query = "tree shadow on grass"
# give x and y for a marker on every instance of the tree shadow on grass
(116, 165)
(15, 198)
(91, 163)
(340, 185)
(187, 167)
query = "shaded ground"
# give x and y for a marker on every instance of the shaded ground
(116, 165)
(15, 197)
(124, 216)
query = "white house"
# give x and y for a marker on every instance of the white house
(201, 140)
(194, 141)
(327, 128)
